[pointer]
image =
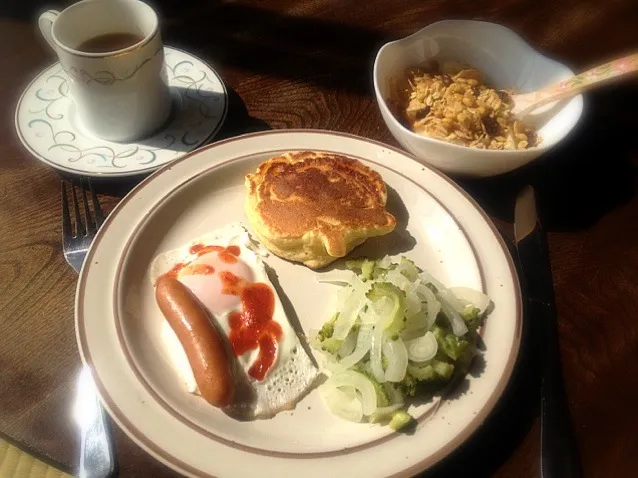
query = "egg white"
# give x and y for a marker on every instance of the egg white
(293, 372)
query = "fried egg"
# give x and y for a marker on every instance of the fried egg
(211, 266)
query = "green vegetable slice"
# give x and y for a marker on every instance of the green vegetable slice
(400, 418)
(435, 370)
(409, 269)
(472, 318)
(328, 328)
(452, 345)
(388, 301)
(366, 266)
(331, 345)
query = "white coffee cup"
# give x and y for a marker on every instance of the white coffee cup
(119, 95)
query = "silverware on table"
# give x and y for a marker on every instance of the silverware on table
(559, 450)
(78, 233)
(96, 447)
(97, 459)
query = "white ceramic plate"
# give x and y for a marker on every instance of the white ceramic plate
(119, 326)
(49, 128)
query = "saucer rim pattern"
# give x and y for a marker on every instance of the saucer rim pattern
(128, 172)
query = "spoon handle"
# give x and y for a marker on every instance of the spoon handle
(576, 84)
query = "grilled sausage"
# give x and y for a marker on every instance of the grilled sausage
(205, 349)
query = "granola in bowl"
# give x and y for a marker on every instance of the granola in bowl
(455, 105)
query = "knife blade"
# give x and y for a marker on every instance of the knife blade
(96, 449)
(559, 449)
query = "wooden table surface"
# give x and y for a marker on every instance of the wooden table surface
(307, 64)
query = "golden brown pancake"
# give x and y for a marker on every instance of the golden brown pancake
(313, 207)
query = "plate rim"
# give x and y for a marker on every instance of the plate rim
(167, 457)
(115, 173)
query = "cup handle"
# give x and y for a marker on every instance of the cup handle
(45, 22)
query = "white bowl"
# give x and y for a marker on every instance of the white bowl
(507, 61)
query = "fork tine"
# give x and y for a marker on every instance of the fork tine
(78, 219)
(97, 210)
(66, 216)
(88, 223)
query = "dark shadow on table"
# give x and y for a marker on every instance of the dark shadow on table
(238, 121)
(261, 41)
(580, 181)
(29, 10)
(189, 104)
(293, 47)
(508, 425)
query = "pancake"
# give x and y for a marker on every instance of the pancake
(314, 208)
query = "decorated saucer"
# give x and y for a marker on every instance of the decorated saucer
(49, 128)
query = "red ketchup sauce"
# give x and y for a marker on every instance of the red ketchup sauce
(226, 254)
(251, 328)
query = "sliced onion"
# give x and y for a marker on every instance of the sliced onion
(428, 278)
(350, 310)
(376, 349)
(348, 345)
(333, 366)
(357, 283)
(471, 296)
(343, 406)
(315, 342)
(393, 393)
(406, 266)
(395, 277)
(412, 301)
(367, 315)
(442, 291)
(360, 349)
(350, 392)
(433, 306)
(342, 296)
(449, 303)
(423, 291)
(397, 356)
(422, 348)
(456, 321)
(384, 262)
(361, 383)
(450, 298)
(346, 318)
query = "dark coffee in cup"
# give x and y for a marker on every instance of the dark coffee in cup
(109, 42)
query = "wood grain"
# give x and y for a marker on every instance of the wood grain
(307, 64)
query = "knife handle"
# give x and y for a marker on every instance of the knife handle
(559, 449)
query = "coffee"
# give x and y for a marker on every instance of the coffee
(109, 42)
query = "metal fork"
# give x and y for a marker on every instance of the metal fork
(97, 458)
(77, 235)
